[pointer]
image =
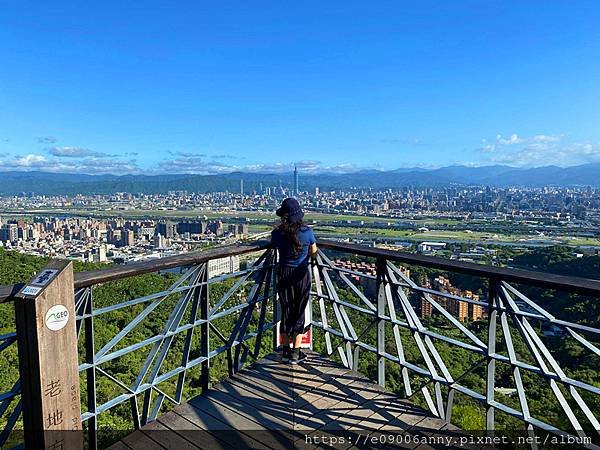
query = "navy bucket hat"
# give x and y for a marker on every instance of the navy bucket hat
(292, 209)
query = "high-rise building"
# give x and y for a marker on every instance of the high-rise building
(216, 227)
(99, 254)
(159, 242)
(9, 233)
(127, 238)
(242, 186)
(238, 229)
(168, 229)
(296, 189)
(192, 227)
(219, 266)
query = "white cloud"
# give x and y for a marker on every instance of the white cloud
(515, 139)
(538, 150)
(32, 162)
(226, 156)
(308, 165)
(75, 152)
(512, 140)
(538, 138)
(106, 166)
(197, 164)
(192, 164)
(86, 165)
(403, 141)
(29, 161)
(47, 139)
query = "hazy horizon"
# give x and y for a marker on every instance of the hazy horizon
(304, 168)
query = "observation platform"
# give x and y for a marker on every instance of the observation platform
(137, 336)
(272, 405)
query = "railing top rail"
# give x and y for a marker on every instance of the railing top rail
(546, 280)
(90, 278)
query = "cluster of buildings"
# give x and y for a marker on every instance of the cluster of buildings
(460, 309)
(369, 282)
(480, 202)
(122, 240)
(549, 203)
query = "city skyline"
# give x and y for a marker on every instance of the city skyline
(203, 89)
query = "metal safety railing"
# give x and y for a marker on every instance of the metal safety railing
(176, 330)
(387, 323)
(510, 346)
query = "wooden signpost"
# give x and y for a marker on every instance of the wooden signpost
(48, 362)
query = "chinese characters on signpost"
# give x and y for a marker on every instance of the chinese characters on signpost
(46, 333)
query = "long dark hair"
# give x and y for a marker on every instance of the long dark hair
(290, 231)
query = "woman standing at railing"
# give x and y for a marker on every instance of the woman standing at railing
(295, 243)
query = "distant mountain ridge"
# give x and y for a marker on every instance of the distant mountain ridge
(14, 183)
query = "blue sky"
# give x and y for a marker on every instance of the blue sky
(205, 87)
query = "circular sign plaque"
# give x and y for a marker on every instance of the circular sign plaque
(57, 317)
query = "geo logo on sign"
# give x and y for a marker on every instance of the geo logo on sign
(57, 317)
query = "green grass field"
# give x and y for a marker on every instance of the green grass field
(444, 236)
(136, 213)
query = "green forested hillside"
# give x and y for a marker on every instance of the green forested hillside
(576, 361)
(118, 420)
(561, 261)
(18, 268)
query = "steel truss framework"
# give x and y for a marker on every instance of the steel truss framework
(510, 315)
(10, 401)
(393, 323)
(250, 300)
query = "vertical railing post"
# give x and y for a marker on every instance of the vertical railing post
(204, 329)
(491, 350)
(381, 302)
(48, 359)
(92, 423)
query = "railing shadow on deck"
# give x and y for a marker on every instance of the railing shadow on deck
(150, 332)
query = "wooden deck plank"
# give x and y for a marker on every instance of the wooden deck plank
(297, 377)
(347, 407)
(139, 441)
(272, 405)
(232, 413)
(351, 418)
(266, 381)
(288, 381)
(272, 397)
(324, 407)
(258, 408)
(119, 445)
(347, 389)
(161, 434)
(234, 438)
(243, 417)
(239, 423)
(191, 432)
(362, 416)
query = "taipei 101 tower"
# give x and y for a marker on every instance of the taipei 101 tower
(296, 190)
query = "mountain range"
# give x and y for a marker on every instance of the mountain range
(14, 183)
